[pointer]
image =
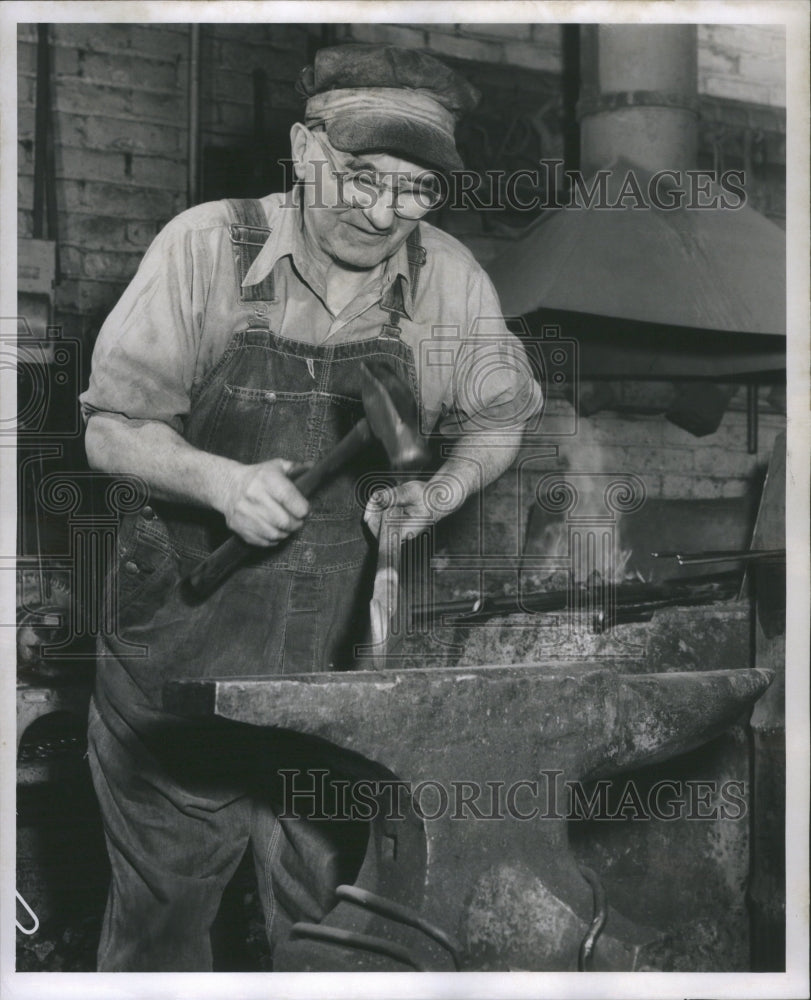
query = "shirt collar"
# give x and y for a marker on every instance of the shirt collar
(286, 239)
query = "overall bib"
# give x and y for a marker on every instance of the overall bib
(181, 801)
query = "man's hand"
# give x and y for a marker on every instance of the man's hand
(394, 515)
(262, 505)
(412, 507)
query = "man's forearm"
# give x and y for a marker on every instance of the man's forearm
(172, 468)
(475, 462)
(259, 502)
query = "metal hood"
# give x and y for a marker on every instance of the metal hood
(698, 269)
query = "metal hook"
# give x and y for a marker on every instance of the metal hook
(34, 917)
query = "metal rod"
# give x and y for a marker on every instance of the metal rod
(402, 914)
(42, 123)
(464, 612)
(752, 418)
(720, 555)
(37, 528)
(600, 915)
(193, 173)
(365, 942)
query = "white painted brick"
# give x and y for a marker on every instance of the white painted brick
(124, 135)
(532, 56)
(95, 37)
(644, 460)
(126, 201)
(736, 89)
(233, 119)
(26, 57)
(676, 487)
(25, 123)
(548, 35)
(712, 59)
(736, 487)
(65, 61)
(156, 41)
(89, 164)
(706, 488)
(26, 90)
(737, 37)
(653, 485)
(154, 171)
(723, 461)
(390, 34)
(72, 94)
(25, 224)
(465, 48)
(141, 234)
(25, 190)
(95, 297)
(638, 430)
(131, 71)
(768, 70)
(121, 266)
(242, 59)
(92, 232)
(150, 106)
(498, 31)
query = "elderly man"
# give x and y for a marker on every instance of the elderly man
(233, 357)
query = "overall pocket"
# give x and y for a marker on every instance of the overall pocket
(147, 566)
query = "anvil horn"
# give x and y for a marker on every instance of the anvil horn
(658, 716)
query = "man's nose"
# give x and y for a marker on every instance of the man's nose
(381, 210)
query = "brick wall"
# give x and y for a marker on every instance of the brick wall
(120, 100)
(744, 62)
(672, 462)
(741, 62)
(529, 46)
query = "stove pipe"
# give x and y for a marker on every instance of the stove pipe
(638, 98)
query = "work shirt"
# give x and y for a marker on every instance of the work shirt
(173, 323)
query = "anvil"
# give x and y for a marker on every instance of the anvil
(501, 879)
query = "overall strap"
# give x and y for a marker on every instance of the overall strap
(393, 301)
(249, 232)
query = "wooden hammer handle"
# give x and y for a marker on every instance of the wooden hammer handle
(207, 575)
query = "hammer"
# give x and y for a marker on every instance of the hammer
(390, 415)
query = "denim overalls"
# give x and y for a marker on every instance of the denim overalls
(177, 830)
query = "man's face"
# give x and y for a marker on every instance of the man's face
(351, 202)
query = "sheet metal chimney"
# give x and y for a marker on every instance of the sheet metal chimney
(638, 98)
(647, 271)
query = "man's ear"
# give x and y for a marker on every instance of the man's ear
(299, 140)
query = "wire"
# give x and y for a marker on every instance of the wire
(600, 915)
(365, 942)
(403, 914)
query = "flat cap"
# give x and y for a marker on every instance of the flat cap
(387, 99)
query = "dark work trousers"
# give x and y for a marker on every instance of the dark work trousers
(182, 801)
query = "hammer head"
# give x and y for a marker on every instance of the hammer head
(391, 412)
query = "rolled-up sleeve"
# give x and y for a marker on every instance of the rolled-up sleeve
(494, 388)
(144, 358)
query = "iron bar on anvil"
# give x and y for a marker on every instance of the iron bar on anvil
(722, 555)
